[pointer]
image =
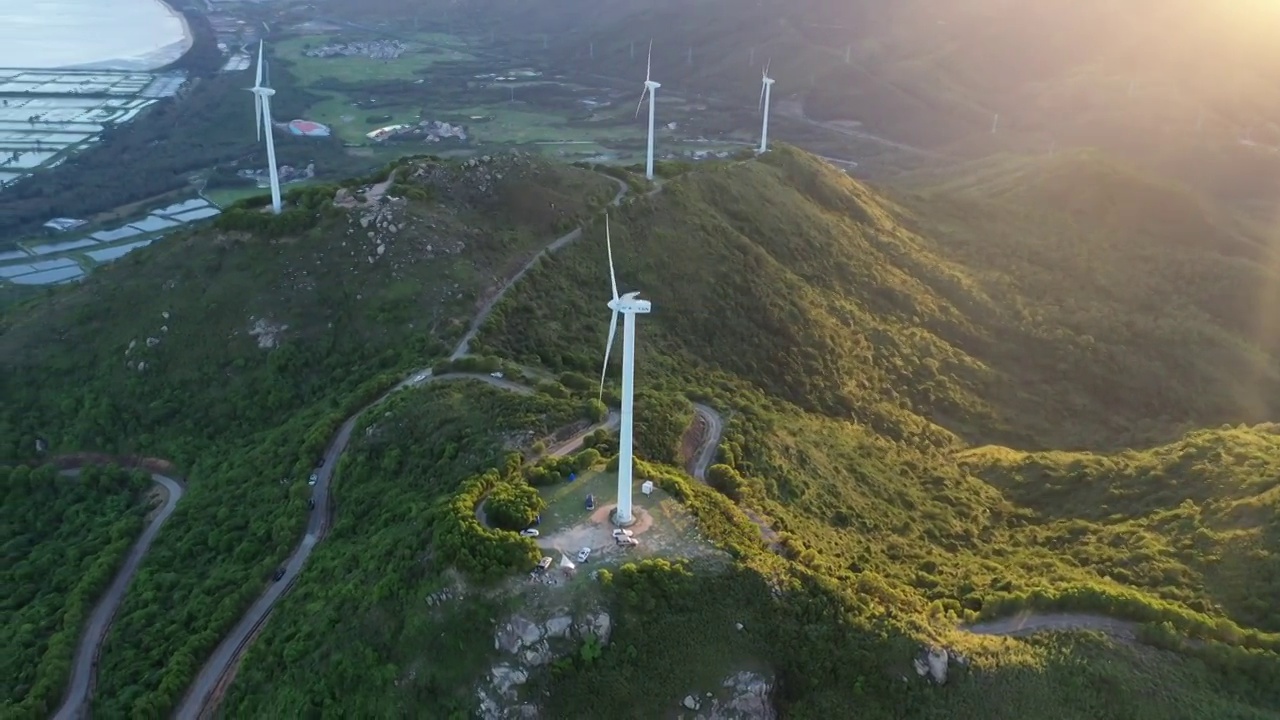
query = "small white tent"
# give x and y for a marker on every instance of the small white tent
(647, 487)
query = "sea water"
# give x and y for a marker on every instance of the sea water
(98, 34)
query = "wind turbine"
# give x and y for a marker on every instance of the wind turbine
(650, 88)
(766, 89)
(262, 109)
(629, 305)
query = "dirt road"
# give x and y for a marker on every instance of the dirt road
(1029, 623)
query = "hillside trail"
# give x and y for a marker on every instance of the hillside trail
(1028, 623)
(205, 693)
(705, 455)
(486, 309)
(85, 661)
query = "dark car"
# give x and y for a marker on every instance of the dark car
(311, 504)
(279, 574)
(321, 463)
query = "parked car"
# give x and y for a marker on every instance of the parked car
(544, 563)
(311, 503)
(591, 502)
(530, 532)
(279, 574)
(312, 480)
(495, 375)
(627, 541)
(620, 532)
(583, 554)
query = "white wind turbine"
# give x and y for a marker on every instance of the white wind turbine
(650, 87)
(262, 109)
(766, 90)
(629, 305)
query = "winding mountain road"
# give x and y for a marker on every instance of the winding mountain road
(205, 693)
(85, 662)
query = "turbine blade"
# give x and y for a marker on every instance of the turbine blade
(608, 348)
(641, 103)
(258, 82)
(648, 64)
(608, 244)
(257, 113)
(766, 66)
(760, 105)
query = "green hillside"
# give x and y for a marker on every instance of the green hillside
(236, 351)
(958, 400)
(933, 315)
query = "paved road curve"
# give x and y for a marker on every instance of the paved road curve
(85, 663)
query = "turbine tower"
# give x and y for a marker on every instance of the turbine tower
(766, 89)
(650, 88)
(629, 305)
(262, 109)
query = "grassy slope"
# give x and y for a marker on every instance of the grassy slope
(238, 418)
(892, 346)
(63, 540)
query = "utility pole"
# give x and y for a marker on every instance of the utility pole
(593, 49)
(752, 61)
(995, 123)
(848, 53)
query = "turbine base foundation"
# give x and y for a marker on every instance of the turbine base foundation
(613, 518)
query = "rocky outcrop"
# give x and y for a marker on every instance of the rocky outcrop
(741, 696)
(935, 662)
(528, 645)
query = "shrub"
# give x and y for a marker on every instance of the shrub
(513, 505)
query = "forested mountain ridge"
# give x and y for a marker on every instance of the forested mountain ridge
(237, 350)
(997, 320)
(876, 353)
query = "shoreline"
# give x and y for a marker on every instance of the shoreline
(146, 62)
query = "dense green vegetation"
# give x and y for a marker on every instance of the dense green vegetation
(888, 353)
(63, 540)
(238, 358)
(369, 644)
(928, 399)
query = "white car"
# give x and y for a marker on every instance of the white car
(544, 563)
(495, 375)
(419, 377)
(531, 532)
(312, 480)
(583, 554)
(619, 532)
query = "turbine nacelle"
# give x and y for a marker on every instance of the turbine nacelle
(652, 85)
(767, 80)
(630, 303)
(262, 91)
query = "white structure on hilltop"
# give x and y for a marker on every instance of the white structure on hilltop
(629, 305)
(650, 88)
(766, 90)
(262, 109)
